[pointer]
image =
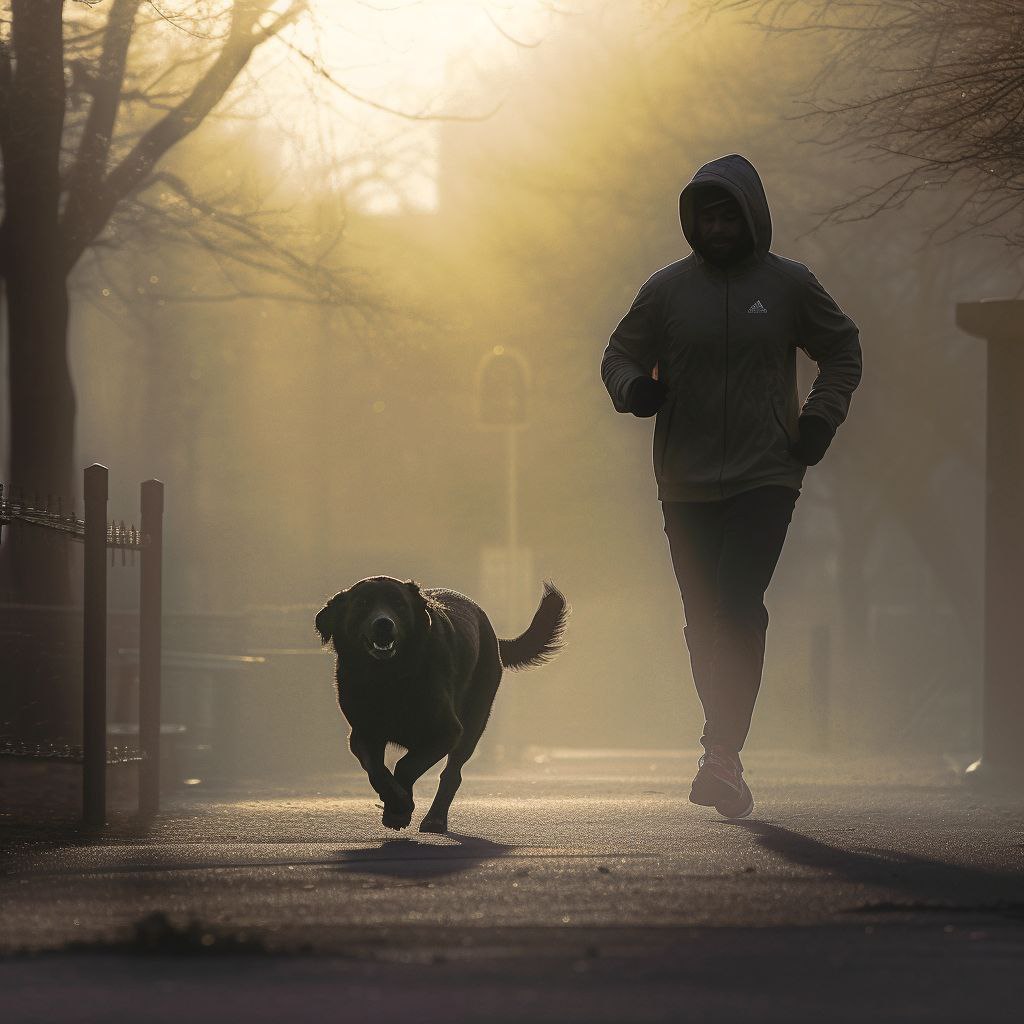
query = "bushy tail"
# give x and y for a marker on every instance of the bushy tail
(543, 639)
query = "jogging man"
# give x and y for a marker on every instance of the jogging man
(709, 345)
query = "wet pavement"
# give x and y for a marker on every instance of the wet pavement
(575, 886)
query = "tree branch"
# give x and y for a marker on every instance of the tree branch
(245, 35)
(406, 115)
(936, 86)
(230, 238)
(105, 86)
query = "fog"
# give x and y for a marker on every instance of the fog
(305, 445)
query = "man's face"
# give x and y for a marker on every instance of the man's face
(721, 229)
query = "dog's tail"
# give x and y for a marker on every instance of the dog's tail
(543, 639)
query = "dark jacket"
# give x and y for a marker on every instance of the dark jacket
(724, 342)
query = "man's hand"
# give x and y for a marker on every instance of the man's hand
(646, 396)
(815, 436)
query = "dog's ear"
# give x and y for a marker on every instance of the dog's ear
(327, 617)
(420, 601)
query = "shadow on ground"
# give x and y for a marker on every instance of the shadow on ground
(929, 884)
(407, 857)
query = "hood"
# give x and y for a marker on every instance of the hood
(736, 174)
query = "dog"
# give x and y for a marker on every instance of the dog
(420, 668)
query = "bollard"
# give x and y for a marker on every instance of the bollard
(94, 654)
(150, 601)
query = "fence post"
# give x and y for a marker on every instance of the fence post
(94, 655)
(150, 610)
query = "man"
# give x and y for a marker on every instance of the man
(709, 345)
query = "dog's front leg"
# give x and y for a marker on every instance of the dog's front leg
(398, 805)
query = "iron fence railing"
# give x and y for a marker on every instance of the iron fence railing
(119, 535)
(100, 535)
(68, 753)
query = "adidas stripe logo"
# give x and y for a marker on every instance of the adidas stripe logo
(757, 307)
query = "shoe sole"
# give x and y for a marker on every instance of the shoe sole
(725, 808)
(709, 792)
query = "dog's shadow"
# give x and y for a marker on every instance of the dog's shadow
(413, 858)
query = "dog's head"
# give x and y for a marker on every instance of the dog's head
(377, 617)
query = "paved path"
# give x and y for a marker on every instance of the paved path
(575, 888)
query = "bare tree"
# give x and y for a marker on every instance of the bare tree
(90, 112)
(71, 161)
(930, 90)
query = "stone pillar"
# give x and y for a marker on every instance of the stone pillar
(1001, 323)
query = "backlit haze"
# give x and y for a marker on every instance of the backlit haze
(307, 442)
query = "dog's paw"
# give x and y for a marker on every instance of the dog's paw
(395, 819)
(399, 800)
(435, 824)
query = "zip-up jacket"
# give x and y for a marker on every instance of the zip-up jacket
(724, 341)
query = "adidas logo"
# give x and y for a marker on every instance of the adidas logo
(757, 307)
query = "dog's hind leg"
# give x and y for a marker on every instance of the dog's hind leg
(474, 714)
(398, 805)
(436, 819)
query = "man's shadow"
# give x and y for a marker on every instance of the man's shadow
(927, 884)
(409, 857)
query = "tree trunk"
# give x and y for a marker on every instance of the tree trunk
(42, 427)
(42, 404)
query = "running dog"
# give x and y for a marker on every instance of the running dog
(420, 668)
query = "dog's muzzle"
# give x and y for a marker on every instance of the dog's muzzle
(382, 642)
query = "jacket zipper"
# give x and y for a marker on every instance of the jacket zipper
(725, 393)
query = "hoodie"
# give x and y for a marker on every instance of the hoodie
(724, 341)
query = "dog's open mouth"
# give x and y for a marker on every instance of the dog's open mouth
(380, 650)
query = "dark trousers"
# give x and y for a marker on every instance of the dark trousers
(724, 554)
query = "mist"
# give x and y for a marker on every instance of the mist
(307, 443)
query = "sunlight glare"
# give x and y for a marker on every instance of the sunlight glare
(384, 69)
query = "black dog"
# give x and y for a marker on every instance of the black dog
(420, 668)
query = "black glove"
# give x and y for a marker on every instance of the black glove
(815, 436)
(646, 396)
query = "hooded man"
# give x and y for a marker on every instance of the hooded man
(709, 345)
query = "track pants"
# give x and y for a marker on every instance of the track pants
(724, 554)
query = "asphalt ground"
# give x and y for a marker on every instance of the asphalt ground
(575, 886)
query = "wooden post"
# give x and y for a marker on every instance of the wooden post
(1002, 694)
(150, 610)
(94, 654)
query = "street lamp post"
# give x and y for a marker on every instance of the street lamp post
(1002, 704)
(502, 391)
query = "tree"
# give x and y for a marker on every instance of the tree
(932, 91)
(69, 164)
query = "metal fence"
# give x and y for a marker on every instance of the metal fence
(100, 535)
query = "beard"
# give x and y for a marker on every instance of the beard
(729, 254)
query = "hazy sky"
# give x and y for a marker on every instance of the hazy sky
(412, 56)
